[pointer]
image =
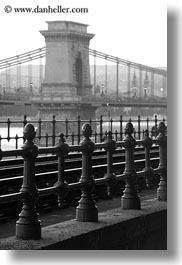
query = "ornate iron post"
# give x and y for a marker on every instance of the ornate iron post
(130, 199)
(28, 226)
(110, 176)
(86, 210)
(162, 140)
(61, 186)
(147, 143)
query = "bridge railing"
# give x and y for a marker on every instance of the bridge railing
(47, 130)
(28, 225)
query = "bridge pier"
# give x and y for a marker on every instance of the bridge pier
(67, 74)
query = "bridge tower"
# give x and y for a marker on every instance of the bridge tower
(67, 69)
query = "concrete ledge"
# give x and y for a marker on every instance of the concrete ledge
(116, 229)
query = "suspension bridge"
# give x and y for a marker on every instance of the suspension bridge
(68, 74)
(76, 80)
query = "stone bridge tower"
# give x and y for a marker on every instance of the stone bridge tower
(67, 70)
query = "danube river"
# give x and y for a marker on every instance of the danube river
(11, 144)
(17, 132)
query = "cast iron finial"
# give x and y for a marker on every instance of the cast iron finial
(29, 132)
(162, 127)
(129, 128)
(86, 130)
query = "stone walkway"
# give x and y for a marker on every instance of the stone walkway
(60, 215)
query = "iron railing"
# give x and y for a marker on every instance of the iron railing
(47, 130)
(28, 226)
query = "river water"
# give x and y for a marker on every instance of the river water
(11, 144)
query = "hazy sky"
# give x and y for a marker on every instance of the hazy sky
(134, 30)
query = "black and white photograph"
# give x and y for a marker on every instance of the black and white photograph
(83, 127)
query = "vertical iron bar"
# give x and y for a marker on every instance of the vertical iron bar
(24, 124)
(155, 121)
(101, 129)
(16, 141)
(53, 130)
(79, 133)
(8, 124)
(139, 128)
(40, 129)
(121, 127)
(66, 134)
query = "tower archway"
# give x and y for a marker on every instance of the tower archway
(79, 76)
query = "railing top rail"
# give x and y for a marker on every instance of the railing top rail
(72, 148)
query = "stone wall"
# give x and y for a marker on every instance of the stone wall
(117, 229)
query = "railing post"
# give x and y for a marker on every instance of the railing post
(110, 176)
(130, 199)
(62, 187)
(147, 143)
(162, 141)
(28, 226)
(86, 210)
